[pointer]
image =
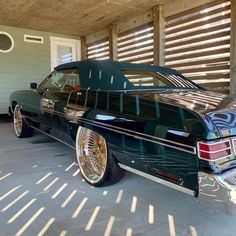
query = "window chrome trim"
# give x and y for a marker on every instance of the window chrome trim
(158, 180)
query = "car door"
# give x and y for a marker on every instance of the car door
(56, 95)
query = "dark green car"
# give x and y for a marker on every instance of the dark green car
(146, 119)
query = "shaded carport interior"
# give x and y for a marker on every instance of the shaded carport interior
(133, 206)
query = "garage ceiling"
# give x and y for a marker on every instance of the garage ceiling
(74, 17)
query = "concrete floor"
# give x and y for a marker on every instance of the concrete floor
(42, 193)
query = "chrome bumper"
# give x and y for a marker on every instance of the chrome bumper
(218, 189)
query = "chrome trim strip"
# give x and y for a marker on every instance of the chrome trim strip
(224, 149)
(158, 180)
(218, 159)
(39, 130)
(131, 133)
(137, 137)
(215, 142)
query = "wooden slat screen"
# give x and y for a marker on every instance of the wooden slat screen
(197, 43)
(98, 50)
(136, 45)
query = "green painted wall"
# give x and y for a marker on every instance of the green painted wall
(27, 62)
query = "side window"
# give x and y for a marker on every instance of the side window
(72, 82)
(146, 78)
(64, 80)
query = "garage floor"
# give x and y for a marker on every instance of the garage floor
(42, 193)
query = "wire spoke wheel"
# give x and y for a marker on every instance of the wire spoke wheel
(92, 155)
(18, 121)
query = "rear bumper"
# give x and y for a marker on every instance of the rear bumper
(219, 189)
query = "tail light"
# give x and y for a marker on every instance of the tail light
(214, 151)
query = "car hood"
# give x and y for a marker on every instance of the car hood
(217, 109)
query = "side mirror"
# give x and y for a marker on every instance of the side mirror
(33, 85)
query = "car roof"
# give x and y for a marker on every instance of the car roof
(109, 75)
(115, 65)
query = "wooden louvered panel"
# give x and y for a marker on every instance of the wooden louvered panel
(205, 69)
(137, 53)
(198, 16)
(96, 53)
(196, 40)
(207, 62)
(199, 47)
(136, 45)
(198, 44)
(198, 54)
(220, 27)
(212, 76)
(216, 84)
(199, 24)
(145, 60)
(134, 37)
(98, 50)
(137, 30)
(97, 43)
(146, 44)
(182, 15)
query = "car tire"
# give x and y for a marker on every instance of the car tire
(22, 129)
(97, 165)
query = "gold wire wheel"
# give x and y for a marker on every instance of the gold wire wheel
(18, 120)
(92, 155)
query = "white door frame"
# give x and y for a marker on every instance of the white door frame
(54, 41)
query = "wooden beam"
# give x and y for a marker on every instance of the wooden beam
(129, 23)
(83, 48)
(233, 48)
(159, 36)
(113, 41)
(175, 7)
(99, 35)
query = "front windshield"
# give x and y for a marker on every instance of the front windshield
(141, 79)
(61, 80)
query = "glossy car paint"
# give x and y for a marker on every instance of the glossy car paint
(152, 130)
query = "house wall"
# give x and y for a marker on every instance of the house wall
(27, 62)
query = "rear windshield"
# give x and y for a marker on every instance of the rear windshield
(156, 79)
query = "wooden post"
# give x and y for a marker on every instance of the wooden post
(159, 36)
(233, 48)
(113, 42)
(83, 48)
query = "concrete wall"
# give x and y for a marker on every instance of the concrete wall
(27, 62)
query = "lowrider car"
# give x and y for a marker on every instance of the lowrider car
(146, 119)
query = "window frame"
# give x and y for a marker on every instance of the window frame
(60, 89)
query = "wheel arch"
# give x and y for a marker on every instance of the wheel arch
(13, 105)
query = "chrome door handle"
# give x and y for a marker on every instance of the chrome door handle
(47, 105)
